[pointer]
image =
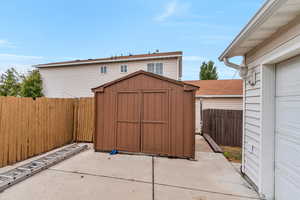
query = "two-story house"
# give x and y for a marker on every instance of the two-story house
(76, 78)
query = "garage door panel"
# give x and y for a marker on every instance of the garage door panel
(284, 189)
(287, 130)
(287, 115)
(288, 156)
(287, 78)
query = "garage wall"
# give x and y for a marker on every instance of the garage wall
(252, 129)
(77, 81)
(258, 141)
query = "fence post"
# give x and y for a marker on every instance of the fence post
(75, 117)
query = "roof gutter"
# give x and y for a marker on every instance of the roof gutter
(259, 18)
(242, 68)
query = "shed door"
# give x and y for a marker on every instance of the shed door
(155, 115)
(287, 138)
(128, 121)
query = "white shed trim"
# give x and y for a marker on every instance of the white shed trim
(219, 96)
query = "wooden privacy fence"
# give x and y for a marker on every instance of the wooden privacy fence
(29, 127)
(84, 119)
(224, 126)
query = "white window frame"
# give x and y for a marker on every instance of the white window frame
(124, 68)
(103, 70)
(154, 68)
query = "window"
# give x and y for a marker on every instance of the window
(123, 68)
(103, 69)
(159, 68)
(156, 68)
(150, 67)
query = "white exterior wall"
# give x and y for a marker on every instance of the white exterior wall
(252, 131)
(198, 115)
(77, 81)
(227, 103)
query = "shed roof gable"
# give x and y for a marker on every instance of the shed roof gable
(163, 78)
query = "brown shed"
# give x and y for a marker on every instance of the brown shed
(147, 113)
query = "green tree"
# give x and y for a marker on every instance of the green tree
(10, 83)
(208, 71)
(32, 85)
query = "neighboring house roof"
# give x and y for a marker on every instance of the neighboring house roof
(149, 56)
(187, 86)
(218, 88)
(273, 15)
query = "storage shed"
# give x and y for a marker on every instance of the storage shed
(146, 113)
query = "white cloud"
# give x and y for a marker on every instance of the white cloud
(194, 58)
(6, 56)
(5, 43)
(171, 9)
(21, 62)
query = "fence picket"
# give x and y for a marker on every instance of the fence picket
(224, 126)
(30, 127)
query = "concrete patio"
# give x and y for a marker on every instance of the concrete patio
(90, 175)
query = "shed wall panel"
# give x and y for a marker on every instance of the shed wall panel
(167, 116)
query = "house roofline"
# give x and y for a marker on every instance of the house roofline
(176, 54)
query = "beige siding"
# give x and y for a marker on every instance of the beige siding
(216, 103)
(77, 81)
(198, 116)
(222, 103)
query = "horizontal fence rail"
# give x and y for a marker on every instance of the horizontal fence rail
(224, 126)
(30, 127)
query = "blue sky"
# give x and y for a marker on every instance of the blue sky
(34, 32)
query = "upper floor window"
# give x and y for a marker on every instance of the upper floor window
(103, 69)
(156, 68)
(123, 68)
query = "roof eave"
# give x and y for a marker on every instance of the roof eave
(261, 15)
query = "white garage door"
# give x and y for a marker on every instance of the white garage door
(287, 146)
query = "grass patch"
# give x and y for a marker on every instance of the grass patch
(233, 154)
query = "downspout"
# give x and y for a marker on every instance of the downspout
(242, 68)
